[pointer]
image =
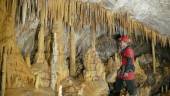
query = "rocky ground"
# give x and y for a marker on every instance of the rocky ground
(29, 92)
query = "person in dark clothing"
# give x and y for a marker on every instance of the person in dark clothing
(126, 76)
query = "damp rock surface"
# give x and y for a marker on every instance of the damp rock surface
(29, 92)
(71, 46)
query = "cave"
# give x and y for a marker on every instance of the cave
(70, 47)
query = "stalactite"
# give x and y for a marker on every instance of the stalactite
(110, 22)
(131, 24)
(113, 24)
(164, 41)
(96, 16)
(153, 37)
(118, 23)
(105, 22)
(90, 15)
(130, 30)
(153, 55)
(169, 41)
(73, 65)
(66, 11)
(87, 13)
(28, 9)
(146, 33)
(45, 14)
(58, 16)
(141, 29)
(122, 23)
(83, 15)
(77, 14)
(93, 26)
(99, 16)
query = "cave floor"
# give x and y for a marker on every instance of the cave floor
(29, 92)
(39, 92)
(166, 94)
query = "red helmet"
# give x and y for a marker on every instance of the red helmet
(124, 38)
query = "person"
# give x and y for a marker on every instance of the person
(125, 76)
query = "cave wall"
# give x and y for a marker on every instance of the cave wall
(43, 43)
(14, 68)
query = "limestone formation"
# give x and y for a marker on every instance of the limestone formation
(54, 62)
(71, 87)
(140, 74)
(73, 66)
(61, 68)
(40, 67)
(17, 72)
(4, 68)
(94, 68)
(144, 91)
(27, 60)
(67, 46)
(95, 88)
(112, 68)
(94, 75)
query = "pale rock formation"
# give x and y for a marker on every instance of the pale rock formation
(144, 91)
(139, 73)
(73, 66)
(95, 81)
(112, 67)
(40, 67)
(95, 88)
(94, 68)
(17, 72)
(60, 67)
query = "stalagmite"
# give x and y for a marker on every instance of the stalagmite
(27, 59)
(37, 82)
(141, 76)
(95, 69)
(95, 81)
(3, 83)
(60, 92)
(111, 70)
(40, 52)
(40, 66)
(17, 73)
(166, 88)
(62, 68)
(73, 65)
(54, 60)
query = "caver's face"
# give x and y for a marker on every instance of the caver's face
(123, 44)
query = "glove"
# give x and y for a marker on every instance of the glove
(125, 75)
